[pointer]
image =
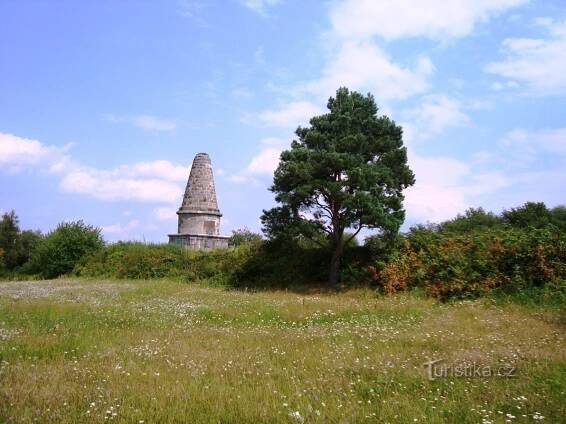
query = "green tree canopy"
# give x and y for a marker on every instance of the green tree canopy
(559, 217)
(9, 239)
(15, 245)
(242, 236)
(531, 214)
(347, 170)
(60, 250)
(472, 219)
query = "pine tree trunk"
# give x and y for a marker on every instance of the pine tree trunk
(334, 276)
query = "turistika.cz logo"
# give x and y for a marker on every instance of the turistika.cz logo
(435, 369)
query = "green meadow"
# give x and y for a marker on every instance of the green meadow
(78, 350)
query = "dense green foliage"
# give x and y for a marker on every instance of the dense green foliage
(535, 215)
(254, 264)
(145, 261)
(242, 236)
(515, 253)
(474, 263)
(471, 220)
(61, 249)
(15, 245)
(523, 250)
(346, 170)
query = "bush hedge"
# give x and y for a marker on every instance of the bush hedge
(255, 264)
(145, 261)
(443, 264)
(521, 251)
(471, 264)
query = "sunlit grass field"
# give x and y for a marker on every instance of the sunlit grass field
(164, 351)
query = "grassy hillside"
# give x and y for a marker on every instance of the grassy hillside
(157, 351)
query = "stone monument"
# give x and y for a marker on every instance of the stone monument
(199, 216)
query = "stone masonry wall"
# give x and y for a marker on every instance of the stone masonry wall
(199, 242)
(191, 223)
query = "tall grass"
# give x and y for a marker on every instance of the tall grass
(166, 351)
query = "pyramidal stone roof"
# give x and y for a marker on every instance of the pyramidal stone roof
(200, 193)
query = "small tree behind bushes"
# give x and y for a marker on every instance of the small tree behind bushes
(473, 219)
(535, 215)
(242, 236)
(61, 249)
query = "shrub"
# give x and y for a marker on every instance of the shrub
(469, 256)
(471, 220)
(61, 249)
(531, 214)
(558, 217)
(242, 236)
(283, 263)
(383, 245)
(2, 264)
(472, 264)
(144, 261)
(252, 264)
(286, 263)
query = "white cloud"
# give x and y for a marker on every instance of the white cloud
(291, 115)
(447, 186)
(481, 183)
(546, 186)
(537, 64)
(263, 164)
(359, 63)
(363, 65)
(110, 185)
(20, 150)
(240, 179)
(500, 86)
(146, 122)
(154, 182)
(433, 115)
(157, 168)
(266, 161)
(259, 6)
(153, 123)
(523, 145)
(165, 213)
(17, 152)
(120, 228)
(436, 194)
(482, 157)
(193, 10)
(392, 19)
(242, 92)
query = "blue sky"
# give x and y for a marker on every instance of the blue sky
(103, 105)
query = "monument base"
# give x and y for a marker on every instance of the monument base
(199, 241)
